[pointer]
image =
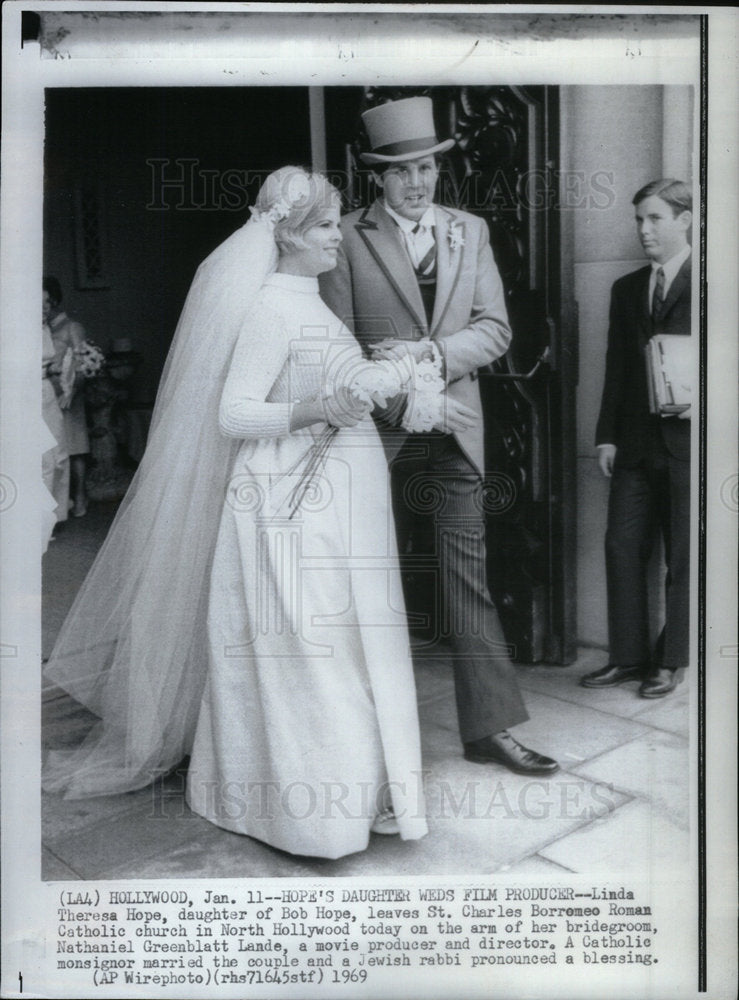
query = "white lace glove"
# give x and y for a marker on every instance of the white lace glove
(420, 380)
(426, 394)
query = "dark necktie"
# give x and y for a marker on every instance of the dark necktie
(425, 247)
(658, 299)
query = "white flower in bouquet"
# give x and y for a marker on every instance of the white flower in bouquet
(377, 381)
(90, 360)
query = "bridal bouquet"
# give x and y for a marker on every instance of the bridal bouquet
(90, 359)
(87, 360)
(375, 382)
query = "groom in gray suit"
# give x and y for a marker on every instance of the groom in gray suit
(410, 275)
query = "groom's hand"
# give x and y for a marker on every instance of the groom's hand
(455, 417)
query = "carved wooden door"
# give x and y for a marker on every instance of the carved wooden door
(505, 168)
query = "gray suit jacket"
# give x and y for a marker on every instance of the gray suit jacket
(374, 290)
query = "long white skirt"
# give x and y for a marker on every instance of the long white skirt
(309, 718)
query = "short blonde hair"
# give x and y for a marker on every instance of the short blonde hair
(297, 199)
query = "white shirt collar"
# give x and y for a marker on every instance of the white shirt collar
(672, 266)
(428, 219)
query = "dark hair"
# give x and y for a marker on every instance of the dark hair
(380, 168)
(52, 287)
(676, 194)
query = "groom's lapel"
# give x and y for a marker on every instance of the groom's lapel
(384, 240)
(447, 264)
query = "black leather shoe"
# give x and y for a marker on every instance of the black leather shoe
(611, 675)
(659, 682)
(503, 749)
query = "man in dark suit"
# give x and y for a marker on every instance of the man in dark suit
(647, 456)
(412, 278)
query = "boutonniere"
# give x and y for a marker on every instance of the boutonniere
(456, 236)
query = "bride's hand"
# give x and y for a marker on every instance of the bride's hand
(343, 409)
(340, 409)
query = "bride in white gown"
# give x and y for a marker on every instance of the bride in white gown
(297, 703)
(310, 709)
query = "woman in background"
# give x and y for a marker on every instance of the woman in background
(68, 335)
(54, 460)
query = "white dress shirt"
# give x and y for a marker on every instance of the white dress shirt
(670, 270)
(417, 246)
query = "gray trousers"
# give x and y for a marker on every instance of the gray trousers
(437, 504)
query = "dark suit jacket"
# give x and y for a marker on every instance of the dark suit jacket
(625, 420)
(374, 290)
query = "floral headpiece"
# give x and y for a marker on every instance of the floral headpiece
(295, 190)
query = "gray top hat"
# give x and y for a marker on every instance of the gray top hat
(402, 130)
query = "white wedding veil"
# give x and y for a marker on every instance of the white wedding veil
(133, 648)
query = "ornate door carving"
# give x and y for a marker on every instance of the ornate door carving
(504, 169)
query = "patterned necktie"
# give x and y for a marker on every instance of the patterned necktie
(423, 247)
(658, 298)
